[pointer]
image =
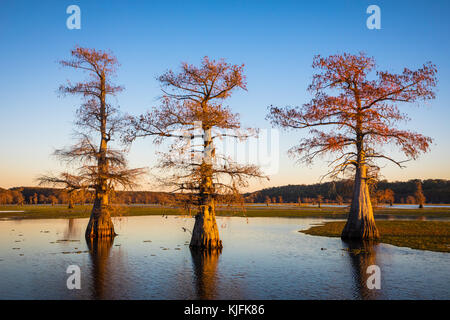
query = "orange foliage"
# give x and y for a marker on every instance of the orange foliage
(361, 112)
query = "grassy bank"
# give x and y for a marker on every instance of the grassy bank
(423, 235)
(60, 211)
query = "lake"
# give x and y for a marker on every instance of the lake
(263, 258)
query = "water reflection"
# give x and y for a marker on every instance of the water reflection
(99, 252)
(265, 258)
(362, 255)
(72, 230)
(205, 272)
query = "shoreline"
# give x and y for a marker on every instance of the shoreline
(423, 229)
(420, 235)
(282, 211)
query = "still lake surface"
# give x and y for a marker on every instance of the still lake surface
(263, 258)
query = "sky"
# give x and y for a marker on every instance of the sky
(276, 40)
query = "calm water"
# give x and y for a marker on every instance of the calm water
(327, 205)
(263, 258)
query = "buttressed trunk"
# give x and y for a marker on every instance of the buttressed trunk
(100, 224)
(206, 233)
(360, 223)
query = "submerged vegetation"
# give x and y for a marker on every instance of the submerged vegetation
(423, 235)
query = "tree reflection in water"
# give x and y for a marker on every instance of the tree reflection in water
(99, 251)
(72, 231)
(362, 255)
(205, 272)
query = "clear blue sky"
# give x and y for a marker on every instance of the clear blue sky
(275, 39)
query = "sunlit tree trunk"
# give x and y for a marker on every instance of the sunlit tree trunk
(420, 198)
(360, 223)
(100, 224)
(70, 206)
(206, 233)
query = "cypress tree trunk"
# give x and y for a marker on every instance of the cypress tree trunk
(360, 223)
(100, 224)
(70, 203)
(206, 233)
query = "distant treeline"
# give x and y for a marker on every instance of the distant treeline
(35, 195)
(434, 190)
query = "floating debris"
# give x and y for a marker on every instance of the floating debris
(16, 248)
(184, 229)
(73, 252)
(147, 241)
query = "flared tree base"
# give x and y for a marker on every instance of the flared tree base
(361, 223)
(363, 229)
(100, 226)
(205, 234)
